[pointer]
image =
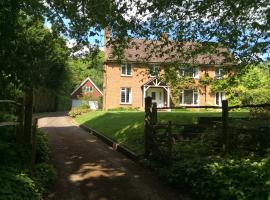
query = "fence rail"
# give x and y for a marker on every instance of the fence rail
(11, 101)
(185, 107)
(151, 126)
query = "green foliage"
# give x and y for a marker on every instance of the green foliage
(80, 69)
(177, 82)
(45, 175)
(78, 111)
(215, 178)
(201, 165)
(17, 185)
(15, 181)
(42, 151)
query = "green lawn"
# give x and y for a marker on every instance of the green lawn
(127, 127)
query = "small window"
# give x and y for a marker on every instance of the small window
(154, 71)
(126, 70)
(189, 97)
(219, 97)
(125, 95)
(219, 72)
(87, 89)
(189, 72)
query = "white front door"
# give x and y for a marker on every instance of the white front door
(157, 95)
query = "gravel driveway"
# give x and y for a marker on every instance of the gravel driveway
(89, 169)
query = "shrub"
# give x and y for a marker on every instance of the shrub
(42, 151)
(202, 167)
(45, 175)
(78, 111)
(17, 185)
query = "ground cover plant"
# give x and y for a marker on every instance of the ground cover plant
(16, 181)
(203, 167)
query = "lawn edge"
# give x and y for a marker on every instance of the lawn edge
(110, 142)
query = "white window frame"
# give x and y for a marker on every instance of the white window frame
(88, 89)
(155, 67)
(194, 74)
(130, 95)
(183, 97)
(125, 71)
(220, 73)
(222, 96)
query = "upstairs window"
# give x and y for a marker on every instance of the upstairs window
(87, 89)
(189, 97)
(126, 70)
(189, 72)
(154, 71)
(125, 96)
(219, 72)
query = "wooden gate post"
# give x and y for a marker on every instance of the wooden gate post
(170, 140)
(225, 116)
(154, 114)
(28, 115)
(147, 125)
(20, 119)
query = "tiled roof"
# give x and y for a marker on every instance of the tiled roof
(151, 51)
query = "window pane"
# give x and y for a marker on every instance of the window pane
(124, 69)
(123, 96)
(181, 72)
(154, 71)
(181, 98)
(195, 97)
(196, 72)
(189, 72)
(188, 97)
(217, 98)
(128, 69)
(127, 95)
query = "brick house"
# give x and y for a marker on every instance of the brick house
(126, 84)
(86, 88)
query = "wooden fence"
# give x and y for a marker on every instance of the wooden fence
(153, 141)
(25, 125)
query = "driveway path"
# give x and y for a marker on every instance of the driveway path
(89, 169)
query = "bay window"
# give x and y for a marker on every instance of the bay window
(189, 97)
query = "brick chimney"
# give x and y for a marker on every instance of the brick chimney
(106, 36)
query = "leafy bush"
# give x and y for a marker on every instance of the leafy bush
(42, 151)
(17, 185)
(45, 175)
(202, 167)
(78, 111)
(215, 176)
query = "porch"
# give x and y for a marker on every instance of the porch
(158, 90)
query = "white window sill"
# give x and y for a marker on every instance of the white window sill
(189, 105)
(124, 75)
(125, 103)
